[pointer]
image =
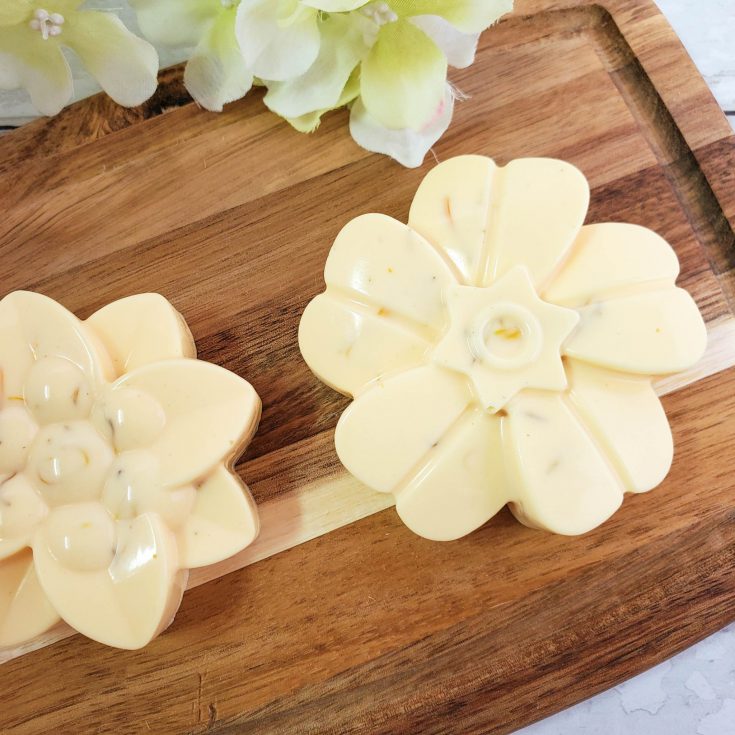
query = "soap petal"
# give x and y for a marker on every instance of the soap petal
(124, 606)
(451, 207)
(627, 418)
(21, 510)
(607, 259)
(347, 347)
(34, 326)
(538, 210)
(383, 263)
(462, 485)
(491, 219)
(650, 333)
(562, 482)
(223, 522)
(389, 431)
(141, 329)
(210, 414)
(25, 611)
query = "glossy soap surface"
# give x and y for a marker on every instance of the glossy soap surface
(115, 447)
(501, 352)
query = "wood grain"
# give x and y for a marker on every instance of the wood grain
(366, 628)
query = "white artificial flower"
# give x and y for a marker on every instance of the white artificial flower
(217, 72)
(32, 34)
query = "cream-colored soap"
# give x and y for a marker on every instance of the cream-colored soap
(499, 351)
(115, 479)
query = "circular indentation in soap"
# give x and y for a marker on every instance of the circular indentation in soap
(133, 487)
(69, 462)
(82, 537)
(17, 429)
(506, 336)
(129, 418)
(57, 390)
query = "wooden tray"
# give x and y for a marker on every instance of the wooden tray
(359, 626)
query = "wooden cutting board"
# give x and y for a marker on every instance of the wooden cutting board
(349, 623)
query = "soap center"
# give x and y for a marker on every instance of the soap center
(507, 336)
(47, 24)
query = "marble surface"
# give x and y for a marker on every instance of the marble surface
(693, 693)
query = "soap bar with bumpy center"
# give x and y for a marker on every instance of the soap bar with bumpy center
(116, 449)
(500, 352)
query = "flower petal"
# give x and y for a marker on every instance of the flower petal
(216, 73)
(463, 483)
(141, 329)
(25, 611)
(38, 66)
(390, 430)
(608, 258)
(403, 77)
(451, 208)
(335, 6)
(127, 604)
(21, 510)
(562, 482)
(310, 122)
(125, 66)
(175, 22)
(342, 48)
(651, 333)
(348, 346)
(279, 38)
(470, 16)
(223, 522)
(535, 200)
(13, 12)
(35, 324)
(408, 147)
(627, 418)
(458, 47)
(210, 414)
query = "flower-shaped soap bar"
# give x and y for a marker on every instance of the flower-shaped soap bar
(499, 352)
(115, 452)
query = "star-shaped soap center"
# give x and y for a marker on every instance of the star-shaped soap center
(505, 338)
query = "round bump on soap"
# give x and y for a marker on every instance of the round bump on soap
(128, 418)
(81, 537)
(69, 462)
(57, 390)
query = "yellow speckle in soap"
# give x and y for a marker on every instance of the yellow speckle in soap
(508, 333)
(390, 270)
(383, 312)
(15, 398)
(87, 524)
